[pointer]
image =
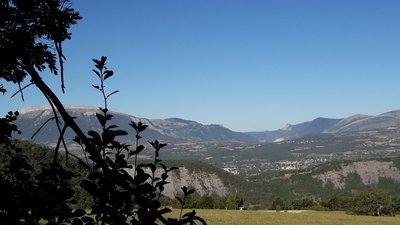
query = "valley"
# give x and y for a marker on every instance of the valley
(253, 159)
(293, 147)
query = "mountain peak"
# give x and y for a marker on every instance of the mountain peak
(287, 127)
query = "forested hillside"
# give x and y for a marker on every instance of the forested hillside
(341, 178)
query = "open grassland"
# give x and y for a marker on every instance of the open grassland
(235, 217)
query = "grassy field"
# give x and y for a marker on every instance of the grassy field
(231, 217)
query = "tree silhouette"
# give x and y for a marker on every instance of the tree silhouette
(32, 33)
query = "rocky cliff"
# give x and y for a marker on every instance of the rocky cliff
(370, 172)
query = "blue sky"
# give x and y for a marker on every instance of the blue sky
(248, 65)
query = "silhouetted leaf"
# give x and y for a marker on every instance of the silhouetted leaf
(108, 73)
(133, 125)
(88, 219)
(95, 136)
(164, 176)
(164, 167)
(103, 110)
(179, 199)
(96, 72)
(161, 183)
(189, 214)
(152, 167)
(184, 189)
(139, 148)
(96, 61)
(142, 127)
(164, 210)
(108, 136)
(111, 127)
(112, 93)
(79, 213)
(103, 60)
(154, 144)
(161, 188)
(102, 119)
(89, 186)
(120, 133)
(110, 162)
(191, 191)
(141, 176)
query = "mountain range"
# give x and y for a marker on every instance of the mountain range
(176, 130)
(172, 130)
(324, 125)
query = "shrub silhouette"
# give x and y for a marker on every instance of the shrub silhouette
(30, 30)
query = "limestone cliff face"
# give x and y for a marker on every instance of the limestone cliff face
(369, 171)
(204, 183)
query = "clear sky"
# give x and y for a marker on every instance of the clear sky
(250, 65)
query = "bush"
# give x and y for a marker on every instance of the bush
(373, 203)
(304, 203)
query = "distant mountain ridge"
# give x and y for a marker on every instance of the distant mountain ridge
(177, 130)
(353, 123)
(171, 130)
(315, 126)
(364, 122)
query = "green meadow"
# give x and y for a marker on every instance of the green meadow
(236, 217)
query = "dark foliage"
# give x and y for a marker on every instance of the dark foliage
(29, 31)
(29, 195)
(304, 203)
(32, 32)
(7, 127)
(372, 203)
(279, 204)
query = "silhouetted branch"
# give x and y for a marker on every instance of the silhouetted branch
(21, 89)
(61, 139)
(61, 59)
(40, 128)
(61, 136)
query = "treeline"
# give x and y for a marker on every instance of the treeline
(369, 202)
(232, 201)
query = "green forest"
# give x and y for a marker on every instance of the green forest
(266, 191)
